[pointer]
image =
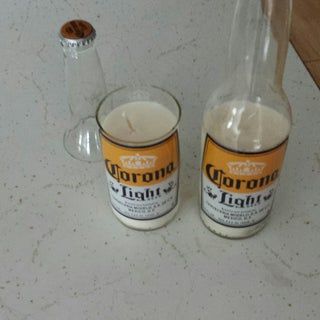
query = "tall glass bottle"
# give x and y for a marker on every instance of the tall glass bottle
(86, 88)
(246, 123)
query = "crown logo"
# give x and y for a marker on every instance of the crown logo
(246, 168)
(138, 162)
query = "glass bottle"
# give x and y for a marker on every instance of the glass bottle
(246, 123)
(86, 88)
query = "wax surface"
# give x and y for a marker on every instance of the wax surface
(246, 126)
(139, 121)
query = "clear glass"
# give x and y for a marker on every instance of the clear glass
(86, 88)
(124, 96)
(254, 71)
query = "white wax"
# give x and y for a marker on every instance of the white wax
(139, 121)
(245, 127)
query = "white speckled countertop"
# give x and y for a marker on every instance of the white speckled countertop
(63, 255)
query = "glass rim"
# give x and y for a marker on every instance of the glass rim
(138, 143)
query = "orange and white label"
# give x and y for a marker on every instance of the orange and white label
(237, 189)
(143, 181)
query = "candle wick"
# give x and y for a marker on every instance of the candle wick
(128, 122)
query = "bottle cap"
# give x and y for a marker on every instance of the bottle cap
(77, 33)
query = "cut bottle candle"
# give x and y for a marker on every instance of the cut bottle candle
(227, 180)
(246, 123)
(139, 138)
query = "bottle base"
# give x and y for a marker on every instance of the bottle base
(229, 232)
(146, 225)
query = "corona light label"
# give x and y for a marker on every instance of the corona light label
(237, 189)
(143, 181)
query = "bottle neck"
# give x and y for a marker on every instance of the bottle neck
(75, 52)
(259, 44)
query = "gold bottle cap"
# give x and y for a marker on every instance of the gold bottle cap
(77, 33)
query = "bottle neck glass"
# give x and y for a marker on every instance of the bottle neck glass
(75, 52)
(258, 45)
